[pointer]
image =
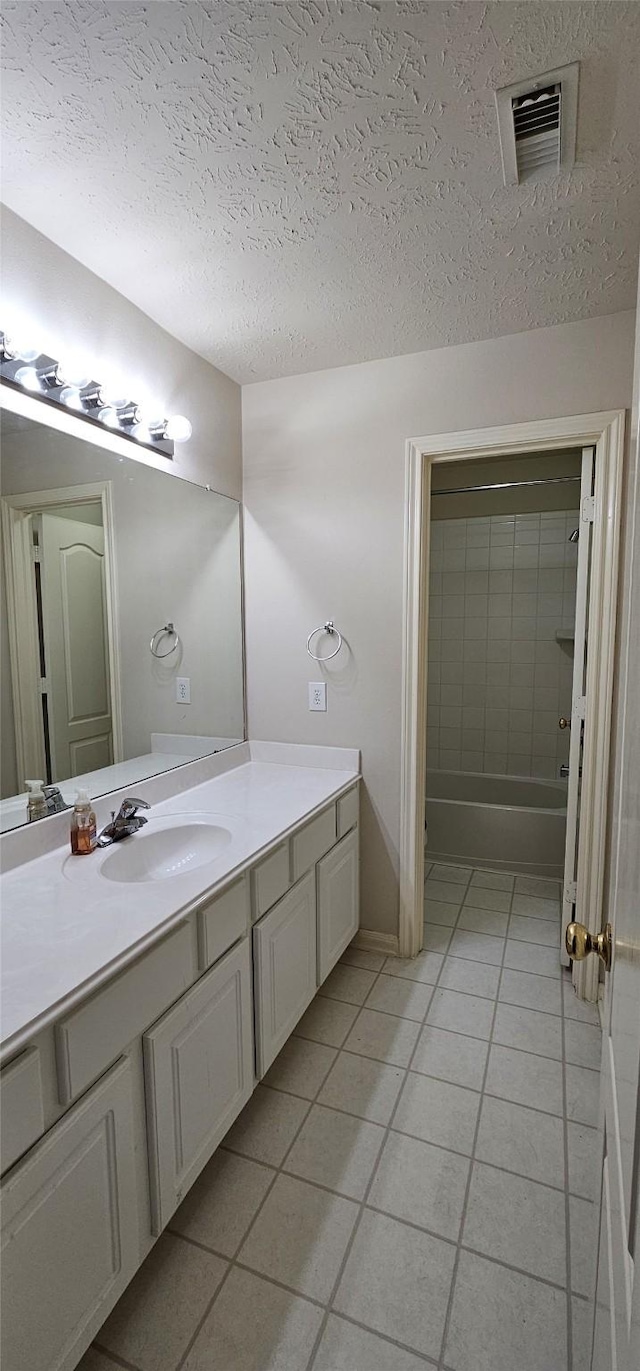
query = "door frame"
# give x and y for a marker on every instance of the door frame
(22, 622)
(606, 432)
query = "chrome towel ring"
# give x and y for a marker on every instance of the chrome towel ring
(172, 632)
(326, 628)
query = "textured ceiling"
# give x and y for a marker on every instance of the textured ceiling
(290, 186)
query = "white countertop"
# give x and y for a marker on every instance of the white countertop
(66, 929)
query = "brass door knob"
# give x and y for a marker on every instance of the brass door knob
(579, 942)
(564, 723)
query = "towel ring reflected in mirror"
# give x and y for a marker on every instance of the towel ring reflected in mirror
(332, 631)
(158, 635)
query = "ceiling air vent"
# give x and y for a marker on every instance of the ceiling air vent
(537, 125)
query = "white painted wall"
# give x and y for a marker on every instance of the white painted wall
(324, 492)
(73, 305)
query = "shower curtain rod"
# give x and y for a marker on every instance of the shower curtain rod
(507, 485)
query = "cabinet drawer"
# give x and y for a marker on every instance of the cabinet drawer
(348, 810)
(198, 1066)
(70, 1230)
(284, 969)
(222, 922)
(88, 1040)
(270, 880)
(308, 846)
(21, 1106)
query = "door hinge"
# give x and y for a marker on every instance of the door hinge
(571, 891)
(580, 706)
(588, 512)
(35, 552)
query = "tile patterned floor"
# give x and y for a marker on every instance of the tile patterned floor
(414, 1183)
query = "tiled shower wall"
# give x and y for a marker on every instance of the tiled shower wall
(500, 590)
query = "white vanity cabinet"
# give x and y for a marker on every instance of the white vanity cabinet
(338, 902)
(198, 1062)
(298, 942)
(284, 964)
(69, 1230)
(115, 1108)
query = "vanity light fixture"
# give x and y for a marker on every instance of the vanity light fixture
(66, 383)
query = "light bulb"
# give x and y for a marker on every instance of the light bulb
(28, 377)
(151, 415)
(141, 432)
(22, 347)
(109, 416)
(113, 391)
(178, 429)
(74, 371)
(70, 396)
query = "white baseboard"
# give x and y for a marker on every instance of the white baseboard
(368, 940)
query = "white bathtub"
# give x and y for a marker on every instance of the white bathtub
(503, 822)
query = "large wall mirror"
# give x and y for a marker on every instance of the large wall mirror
(100, 554)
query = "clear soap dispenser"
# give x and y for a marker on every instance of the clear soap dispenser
(83, 826)
(36, 802)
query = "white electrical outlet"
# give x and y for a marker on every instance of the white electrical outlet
(318, 695)
(183, 690)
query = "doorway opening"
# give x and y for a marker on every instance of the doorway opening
(582, 456)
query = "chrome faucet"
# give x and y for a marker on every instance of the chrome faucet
(124, 823)
(56, 803)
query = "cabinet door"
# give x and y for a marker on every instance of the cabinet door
(198, 1062)
(284, 960)
(70, 1231)
(338, 902)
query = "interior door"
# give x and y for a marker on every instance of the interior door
(76, 645)
(617, 1318)
(578, 699)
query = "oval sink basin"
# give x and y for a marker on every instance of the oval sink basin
(158, 855)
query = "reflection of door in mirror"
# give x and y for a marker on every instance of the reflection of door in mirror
(77, 716)
(60, 630)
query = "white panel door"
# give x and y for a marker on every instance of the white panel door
(338, 902)
(284, 968)
(617, 1321)
(198, 1073)
(570, 894)
(69, 1231)
(76, 647)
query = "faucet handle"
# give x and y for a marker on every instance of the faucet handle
(130, 805)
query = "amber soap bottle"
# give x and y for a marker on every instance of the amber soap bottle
(83, 826)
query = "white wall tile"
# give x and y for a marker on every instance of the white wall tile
(500, 588)
(500, 558)
(495, 763)
(498, 649)
(525, 581)
(478, 559)
(520, 697)
(452, 606)
(475, 650)
(524, 558)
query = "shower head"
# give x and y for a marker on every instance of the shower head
(573, 537)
